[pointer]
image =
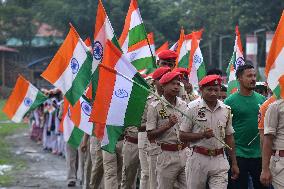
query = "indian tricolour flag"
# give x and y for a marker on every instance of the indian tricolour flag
(236, 60)
(71, 68)
(196, 63)
(24, 98)
(133, 31)
(274, 69)
(119, 102)
(140, 55)
(75, 122)
(188, 39)
(183, 53)
(103, 31)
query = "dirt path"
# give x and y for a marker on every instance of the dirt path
(43, 170)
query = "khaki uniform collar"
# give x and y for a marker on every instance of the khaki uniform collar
(178, 101)
(203, 104)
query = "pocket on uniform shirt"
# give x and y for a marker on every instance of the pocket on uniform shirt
(222, 128)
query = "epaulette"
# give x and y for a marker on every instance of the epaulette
(194, 103)
(155, 103)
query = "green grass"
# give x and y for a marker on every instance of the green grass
(6, 157)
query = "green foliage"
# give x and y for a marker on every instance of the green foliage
(17, 20)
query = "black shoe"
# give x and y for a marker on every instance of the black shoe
(71, 184)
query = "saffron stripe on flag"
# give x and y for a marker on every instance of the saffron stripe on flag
(17, 97)
(63, 55)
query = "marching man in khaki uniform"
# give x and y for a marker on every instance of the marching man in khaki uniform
(208, 118)
(130, 155)
(163, 124)
(273, 146)
(112, 165)
(148, 150)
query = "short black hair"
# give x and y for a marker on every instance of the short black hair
(214, 71)
(242, 68)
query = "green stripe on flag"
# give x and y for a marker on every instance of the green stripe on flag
(81, 81)
(115, 42)
(95, 81)
(136, 35)
(184, 62)
(114, 133)
(143, 63)
(201, 71)
(76, 137)
(40, 98)
(277, 92)
(232, 85)
(136, 103)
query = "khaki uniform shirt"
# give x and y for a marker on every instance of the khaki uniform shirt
(131, 131)
(158, 115)
(274, 124)
(201, 117)
(143, 141)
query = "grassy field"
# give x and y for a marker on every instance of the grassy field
(6, 157)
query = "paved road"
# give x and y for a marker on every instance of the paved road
(44, 170)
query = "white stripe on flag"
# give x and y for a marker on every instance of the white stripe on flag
(23, 108)
(135, 19)
(65, 81)
(277, 71)
(183, 51)
(124, 46)
(121, 94)
(142, 52)
(68, 127)
(85, 125)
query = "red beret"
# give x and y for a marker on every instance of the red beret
(159, 72)
(167, 54)
(210, 80)
(169, 77)
(181, 70)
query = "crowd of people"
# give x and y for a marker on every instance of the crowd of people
(44, 122)
(188, 138)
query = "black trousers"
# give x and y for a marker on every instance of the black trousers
(247, 166)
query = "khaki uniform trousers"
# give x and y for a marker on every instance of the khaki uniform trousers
(71, 157)
(97, 164)
(131, 165)
(201, 168)
(81, 164)
(277, 171)
(87, 168)
(144, 180)
(153, 151)
(112, 164)
(171, 169)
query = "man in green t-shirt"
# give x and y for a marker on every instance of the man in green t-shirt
(245, 106)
